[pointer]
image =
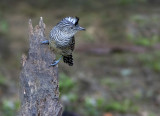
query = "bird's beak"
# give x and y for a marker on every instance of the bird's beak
(81, 28)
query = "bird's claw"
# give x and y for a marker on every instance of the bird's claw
(45, 42)
(55, 62)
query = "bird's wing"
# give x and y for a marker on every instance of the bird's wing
(72, 44)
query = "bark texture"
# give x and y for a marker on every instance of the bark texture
(39, 82)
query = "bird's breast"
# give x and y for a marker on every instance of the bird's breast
(60, 48)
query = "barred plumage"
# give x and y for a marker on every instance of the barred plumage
(62, 38)
(68, 59)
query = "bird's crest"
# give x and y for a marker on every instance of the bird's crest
(73, 20)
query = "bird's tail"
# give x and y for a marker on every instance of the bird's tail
(68, 59)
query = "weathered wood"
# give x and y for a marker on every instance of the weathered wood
(39, 82)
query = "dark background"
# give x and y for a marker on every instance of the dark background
(116, 68)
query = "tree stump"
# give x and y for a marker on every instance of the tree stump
(39, 82)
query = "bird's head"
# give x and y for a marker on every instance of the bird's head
(70, 26)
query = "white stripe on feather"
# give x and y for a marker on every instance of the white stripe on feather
(71, 19)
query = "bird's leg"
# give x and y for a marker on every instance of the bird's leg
(45, 42)
(56, 62)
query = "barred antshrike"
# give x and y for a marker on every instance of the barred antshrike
(62, 38)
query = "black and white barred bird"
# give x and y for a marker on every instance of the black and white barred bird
(62, 38)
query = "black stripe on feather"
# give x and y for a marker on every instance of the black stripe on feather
(68, 59)
(77, 20)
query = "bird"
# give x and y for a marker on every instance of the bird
(62, 39)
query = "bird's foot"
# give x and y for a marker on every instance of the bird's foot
(45, 42)
(55, 62)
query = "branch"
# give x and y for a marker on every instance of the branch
(39, 82)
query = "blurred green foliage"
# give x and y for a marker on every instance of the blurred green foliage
(96, 106)
(122, 106)
(109, 82)
(3, 24)
(141, 31)
(66, 84)
(143, 41)
(130, 2)
(90, 105)
(152, 114)
(2, 80)
(9, 107)
(126, 2)
(150, 61)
